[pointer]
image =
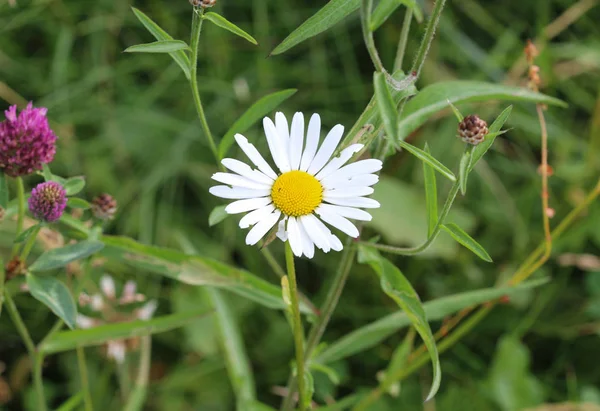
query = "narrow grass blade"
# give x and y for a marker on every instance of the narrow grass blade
(427, 158)
(385, 8)
(430, 194)
(164, 46)
(465, 239)
(222, 22)
(385, 103)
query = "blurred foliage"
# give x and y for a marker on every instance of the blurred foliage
(127, 123)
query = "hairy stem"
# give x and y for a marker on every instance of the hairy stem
(403, 40)
(365, 18)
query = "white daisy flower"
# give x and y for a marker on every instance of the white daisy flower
(310, 189)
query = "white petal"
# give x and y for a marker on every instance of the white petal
(360, 202)
(283, 130)
(116, 351)
(351, 170)
(238, 181)
(338, 222)
(348, 212)
(296, 141)
(312, 141)
(107, 285)
(255, 216)
(363, 180)
(262, 227)
(83, 321)
(307, 244)
(336, 244)
(147, 310)
(245, 170)
(255, 156)
(294, 236)
(281, 233)
(339, 161)
(312, 225)
(346, 192)
(97, 303)
(327, 148)
(276, 145)
(237, 192)
(250, 204)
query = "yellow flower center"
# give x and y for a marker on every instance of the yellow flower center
(296, 193)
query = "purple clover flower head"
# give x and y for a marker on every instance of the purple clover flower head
(26, 141)
(48, 201)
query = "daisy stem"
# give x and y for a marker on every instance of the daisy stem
(21, 212)
(197, 20)
(34, 355)
(297, 324)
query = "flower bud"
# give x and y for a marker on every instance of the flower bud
(48, 201)
(472, 129)
(104, 207)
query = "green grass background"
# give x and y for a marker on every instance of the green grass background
(127, 122)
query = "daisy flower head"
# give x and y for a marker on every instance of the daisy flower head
(310, 191)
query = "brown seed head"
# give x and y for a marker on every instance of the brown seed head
(203, 3)
(104, 207)
(531, 51)
(15, 267)
(472, 129)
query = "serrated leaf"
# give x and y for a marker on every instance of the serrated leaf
(195, 270)
(159, 34)
(494, 131)
(217, 215)
(163, 46)
(385, 8)
(75, 202)
(69, 340)
(222, 22)
(397, 287)
(428, 158)
(54, 295)
(374, 333)
(255, 113)
(464, 168)
(74, 185)
(385, 103)
(24, 235)
(435, 97)
(430, 194)
(331, 14)
(60, 257)
(465, 239)
(3, 191)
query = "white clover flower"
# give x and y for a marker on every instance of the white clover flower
(310, 189)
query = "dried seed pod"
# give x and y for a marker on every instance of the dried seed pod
(104, 207)
(472, 129)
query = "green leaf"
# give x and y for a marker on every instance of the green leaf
(238, 365)
(259, 406)
(331, 14)
(222, 22)
(54, 295)
(396, 286)
(159, 34)
(3, 191)
(217, 215)
(374, 333)
(195, 270)
(493, 131)
(456, 112)
(427, 158)
(464, 168)
(343, 404)
(463, 238)
(59, 257)
(256, 112)
(400, 356)
(163, 46)
(385, 103)
(69, 340)
(430, 194)
(72, 403)
(24, 235)
(309, 384)
(74, 185)
(75, 202)
(434, 98)
(385, 8)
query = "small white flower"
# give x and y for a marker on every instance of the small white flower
(311, 188)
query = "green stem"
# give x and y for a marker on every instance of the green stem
(365, 18)
(34, 356)
(436, 230)
(198, 18)
(297, 323)
(83, 375)
(30, 243)
(403, 40)
(2, 278)
(137, 397)
(21, 212)
(331, 300)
